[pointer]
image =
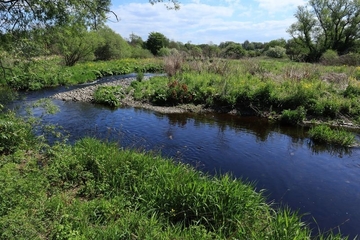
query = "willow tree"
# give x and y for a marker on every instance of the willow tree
(326, 24)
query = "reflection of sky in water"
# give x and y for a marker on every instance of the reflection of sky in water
(322, 181)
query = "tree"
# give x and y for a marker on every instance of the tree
(75, 43)
(327, 24)
(135, 40)
(113, 47)
(234, 50)
(175, 4)
(25, 15)
(156, 41)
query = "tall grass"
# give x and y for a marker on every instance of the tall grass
(337, 136)
(94, 190)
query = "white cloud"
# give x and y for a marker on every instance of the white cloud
(273, 6)
(199, 23)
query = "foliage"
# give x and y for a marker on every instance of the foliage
(326, 24)
(14, 133)
(75, 43)
(276, 52)
(164, 51)
(94, 190)
(48, 72)
(234, 50)
(112, 47)
(156, 41)
(293, 116)
(325, 134)
(138, 52)
(22, 15)
(295, 91)
(109, 95)
(330, 57)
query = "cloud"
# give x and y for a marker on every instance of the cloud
(274, 6)
(199, 23)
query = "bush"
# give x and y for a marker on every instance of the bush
(330, 57)
(164, 52)
(276, 52)
(293, 116)
(109, 95)
(137, 52)
(15, 133)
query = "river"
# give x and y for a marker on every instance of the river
(319, 181)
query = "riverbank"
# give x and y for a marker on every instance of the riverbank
(86, 94)
(97, 190)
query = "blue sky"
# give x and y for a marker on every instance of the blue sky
(201, 21)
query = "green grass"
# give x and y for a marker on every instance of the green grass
(94, 190)
(337, 136)
(39, 74)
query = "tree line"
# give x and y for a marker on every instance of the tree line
(326, 30)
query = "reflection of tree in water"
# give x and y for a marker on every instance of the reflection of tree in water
(328, 148)
(262, 129)
(178, 119)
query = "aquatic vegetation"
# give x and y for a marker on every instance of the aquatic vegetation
(337, 136)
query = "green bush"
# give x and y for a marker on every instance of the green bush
(293, 116)
(276, 52)
(330, 57)
(15, 133)
(109, 95)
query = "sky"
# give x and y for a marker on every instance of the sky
(211, 21)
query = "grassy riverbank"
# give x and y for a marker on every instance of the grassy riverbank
(94, 190)
(50, 72)
(291, 92)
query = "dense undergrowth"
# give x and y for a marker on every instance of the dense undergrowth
(95, 190)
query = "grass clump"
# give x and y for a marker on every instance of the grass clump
(338, 136)
(109, 95)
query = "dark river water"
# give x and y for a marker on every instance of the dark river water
(319, 181)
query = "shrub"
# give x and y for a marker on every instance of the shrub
(109, 95)
(330, 57)
(138, 52)
(276, 52)
(164, 52)
(293, 116)
(15, 133)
